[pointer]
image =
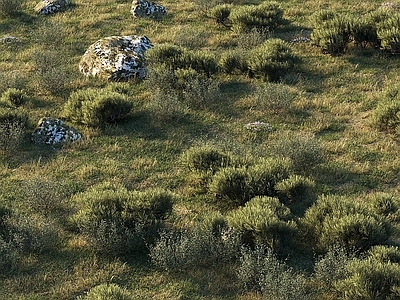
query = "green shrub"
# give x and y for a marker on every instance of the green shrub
(260, 270)
(234, 61)
(322, 16)
(295, 189)
(9, 257)
(275, 97)
(263, 17)
(383, 204)
(302, 149)
(109, 291)
(96, 107)
(388, 31)
(387, 115)
(117, 221)
(266, 221)
(13, 125)
(166, 107)
(271, 60)
(10, 7)
(202, 246)
(248, 40)
(220, 13)
(230, 184)
(205, 159)
(333, 35)
(13, 97)
(370, 279)
(364, 33)
(385, 254)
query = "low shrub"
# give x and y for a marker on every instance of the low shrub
(263, 17)
(234, 61)
(166, 107)
(271, 60)
(261, 270)
(274, 97)
(117, 221)
(295, 189)
(205, 159)
(9, 257)
(266, 221)
(384, 204)
(220, 13)
(96, 107)
(10, 7)
(13, 97)
(385, 254)
(386, 116)
(13, 125)
(388, 32)
(109, 291)
(202, 246)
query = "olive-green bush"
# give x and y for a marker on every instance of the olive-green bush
(388, 31)
(234, 61)
(220, 13)
(13, 97)
(10, 7)
(271, 60)
(295, 189)
(107, 291)
(206, 159)
(96, 107)
(13, 125)
(263, 17)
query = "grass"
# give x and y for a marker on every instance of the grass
(333, 99)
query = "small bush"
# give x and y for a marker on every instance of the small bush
(370, 279)
(107, 292)
(166, 107)
(264, 220)
(271, 60)
(322, 16)
(13, 97)
(263, 17)
(364, 32)
(260, 270)
(303, 150)
(10, 7)
(274, 97)
(96, 107)
(385, 254)
(234, 61)
(13, 125)
(249, 40)
(197, 247)
(333, 35)
(220, 13)
(388, 31)
(383, 204)
(386, 116)
(205, 159)
(9, 257)
(295, 189)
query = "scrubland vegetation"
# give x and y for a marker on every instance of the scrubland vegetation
(258, 159)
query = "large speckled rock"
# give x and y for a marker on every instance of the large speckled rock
(144, 8)
(54, 131)
(46, 7)
(116, 57)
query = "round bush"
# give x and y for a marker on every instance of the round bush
(13, 125)
(13, 97)
(263, 17)
(220, 13)
(295, 189)
(271, 60)
(388, 31)
(384, 204)
(107, 292)
(386, 116)
(385, 254)
(96, 107)
(205, 159)
(234, 61)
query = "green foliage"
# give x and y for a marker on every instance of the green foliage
(387, 115)
(10, 7)
(263, 17)
(322, 16)
(96, 107)
(260, 270)
(13, 97)
(275, 97)
(295, 189)
(13, 125)
(385, 254)
(202, 246)
(107, 291)
(220, 13)
(205, 159)
(388, 31)
(370, 279)
(339, 220)
(9, 257)
(364, 31)
(302, 149)
(333, 34)
(234, 61)
(271, 60)
(117, 221)
(384, 204)
(264, 220)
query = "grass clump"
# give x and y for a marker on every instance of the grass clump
(96, 107)
(220, 13)
(295, 189)
(10, 8)
(13, 97)
(110, 291)
(13, 125)
(271, 60)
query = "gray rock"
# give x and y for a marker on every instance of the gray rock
(54, 131)
(46, 7)
(117, 57)
(144, 8)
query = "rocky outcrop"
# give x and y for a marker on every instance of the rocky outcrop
(46, 7)
(54, 131)
(116, 57)
(147, 9)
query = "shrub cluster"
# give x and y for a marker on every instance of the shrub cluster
(117, 221)
(96, 107)
(333, 31)
(13, 125)
(109, 291)
(13, 97)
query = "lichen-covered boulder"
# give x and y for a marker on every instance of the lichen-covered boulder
(54, 131)
(144, 8)
(117, 57)
(46, 7)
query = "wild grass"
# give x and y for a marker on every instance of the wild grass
(319, 116)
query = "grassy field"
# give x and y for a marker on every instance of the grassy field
(320, 113)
